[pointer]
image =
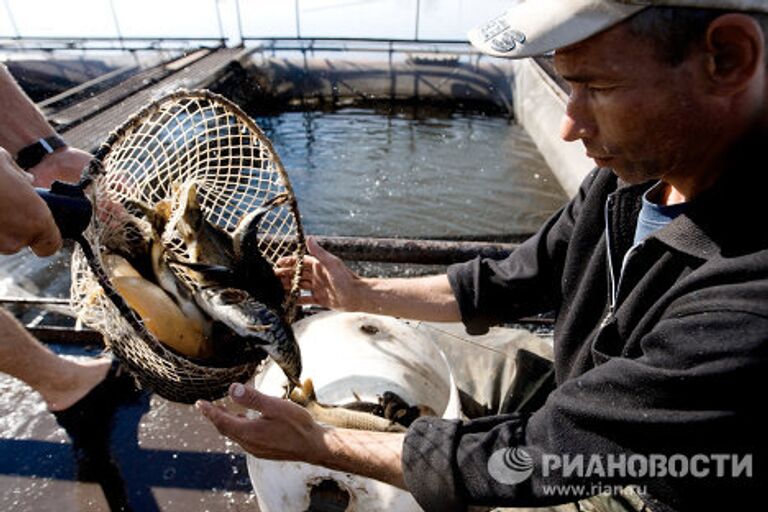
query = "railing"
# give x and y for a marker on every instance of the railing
(51, 44)
(361, 44)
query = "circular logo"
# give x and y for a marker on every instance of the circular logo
(507, 41)
(510, 465)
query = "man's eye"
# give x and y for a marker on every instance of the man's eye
(600, 88)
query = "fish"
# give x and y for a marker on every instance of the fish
(337, 416)
(230, 285)
(255, 270)
(255, 325)
(162, 273)
(160, 315)
(396, 409)
(236, 260)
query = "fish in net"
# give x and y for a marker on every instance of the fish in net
(191, 208)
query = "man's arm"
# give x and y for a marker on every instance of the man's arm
(330, 283)
(22, 123)
(285, 431)
(480, 292)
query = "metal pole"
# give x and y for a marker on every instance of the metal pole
(298, 20)
(418, 11)
(424, 252)
(12, 19)
(117, 25)
(218, 18)
(239, 21)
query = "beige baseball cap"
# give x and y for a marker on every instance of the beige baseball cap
(537, 27)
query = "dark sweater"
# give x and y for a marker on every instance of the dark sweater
(665, 357)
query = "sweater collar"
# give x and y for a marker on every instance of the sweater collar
(719, 222)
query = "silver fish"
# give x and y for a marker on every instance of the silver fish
(258, 326)
(229, 285)
(234, 261)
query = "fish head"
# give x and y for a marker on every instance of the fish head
(186, 217)
(204, 242)
(192, 216)
(156, 215)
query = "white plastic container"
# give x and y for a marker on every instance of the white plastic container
(347, 354)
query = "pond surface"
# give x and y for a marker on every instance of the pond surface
(359, 173)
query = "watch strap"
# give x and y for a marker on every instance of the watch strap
(30, 156)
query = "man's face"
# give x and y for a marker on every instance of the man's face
(633, 112)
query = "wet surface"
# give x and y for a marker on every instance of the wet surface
(357, 172)
(162, 456)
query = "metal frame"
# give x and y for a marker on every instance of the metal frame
(50, 44)
(310, 45)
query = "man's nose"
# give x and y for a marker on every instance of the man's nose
(570, 130)
(577, 122)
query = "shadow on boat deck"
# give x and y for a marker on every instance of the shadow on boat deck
(159, 456)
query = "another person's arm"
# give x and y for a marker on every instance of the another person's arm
(24, 218)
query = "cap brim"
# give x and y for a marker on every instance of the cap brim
(537, 27)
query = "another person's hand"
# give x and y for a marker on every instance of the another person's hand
(330, 282)
(65, 164)
(25, 219)
(283, 431)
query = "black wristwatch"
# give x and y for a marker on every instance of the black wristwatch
(30, 156)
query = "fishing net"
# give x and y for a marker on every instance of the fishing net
(185, 136)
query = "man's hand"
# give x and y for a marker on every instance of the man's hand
(65, 164)
(25, 219)
(333, 285)
(330, 282)
(286, 431)
(283, 430)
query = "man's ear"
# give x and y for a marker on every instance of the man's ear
(735, 51)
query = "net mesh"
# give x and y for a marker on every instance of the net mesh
(187, 136)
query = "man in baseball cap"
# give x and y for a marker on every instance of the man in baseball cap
(657, 271)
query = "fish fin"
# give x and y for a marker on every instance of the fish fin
(301, 393)
(295, 396)
(308, 390)
(218, 273)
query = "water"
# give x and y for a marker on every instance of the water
(359, 173)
